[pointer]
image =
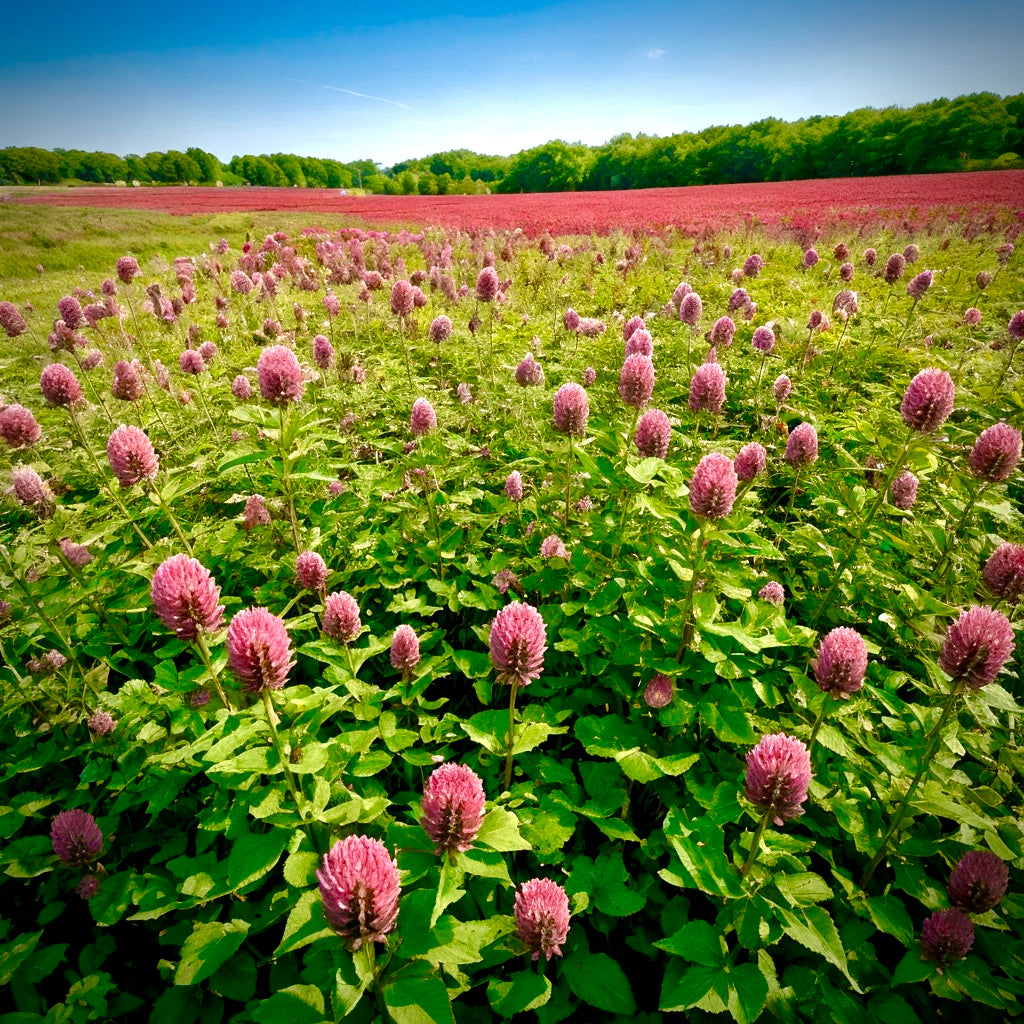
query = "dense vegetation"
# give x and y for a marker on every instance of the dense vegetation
(399, 416)
(980, 131)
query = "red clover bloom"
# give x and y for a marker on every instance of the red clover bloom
(514, 486)
(904, 490)
(341, 617)
(659, 691)
(1004, 572)
(542, 917)
(571, 409)
(841, 663)
(127, 269)
(280, 375)
(920, 284)
(259, 650)
(802, 445)
(11, 321)
(359, 886)
(782, 388)
(978, 882)
(636, 381)
(131, 456)
(76, 837)
(18, 426)
(518, 641)
(405, 649)
(185, 597)
(440, 329)
(996, 453)
(311, 571)
(928, 400)
(713, 487)
(723, 332)
(422, 419)
(751, 461)
(59, 385)
(487, 284)
(707, 388)
(402, 299)
(778, 774)
(453, 807)
(772, 592)
(977, 646)
(653, 433)
(529, 372)
(894, 267)
(947, 936)
(763, 339)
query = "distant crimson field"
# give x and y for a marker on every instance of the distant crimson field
(910, 201)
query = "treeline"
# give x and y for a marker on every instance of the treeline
(974, 132)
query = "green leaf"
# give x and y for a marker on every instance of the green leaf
(300, 868)
(912, 969)
(113, 898)
(697, 942)
(525, 990)
(748, 992)
(803, 888)
(253, 855)
(500, 831)
(891, 916)
(448, 891)
(14, 954)
(814, 929)
(417, 999)
(296, 1004)
(209, 946)
(305, 924)
(597, 979)
(690, 989)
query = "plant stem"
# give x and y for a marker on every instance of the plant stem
(950, 537)
(825, 704)
(173, 520)
(568, 477)
(697, 562)
(204, 654)
(511, 733)
(286, 483)
(933, 743)
(755, 844)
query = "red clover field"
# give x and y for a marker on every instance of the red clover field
(443, 624)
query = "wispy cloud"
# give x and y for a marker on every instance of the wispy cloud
(350, 92)
(656, 53)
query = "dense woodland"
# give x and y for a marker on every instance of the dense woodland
(975, 132)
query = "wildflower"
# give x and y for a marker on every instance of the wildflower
(553, 547)
(640, 343)
(631, 325)
(88, 887)
(911, 253)
(323, 352)
(31, 491)
(778, 774)
(185, 597)
(518, 641)
(311, 571)
(841, 663)
(928, 400)
(722, 332)
(869, 256)
(904, 490)
(591, 327)
(280, 375)
(978, 882)
(464, 394)
(847, 272)
(405, 649)
(983, 279)
(529, 372)
(402, 303)
(127, 269)
(542, 917)
(571, 319)
(753, 265)
(440, 329)
(589, 376)
(241, 282)
(996, 453)
(920, 284)
(70, 310)
(487, 284)
(976, 646)
(1015, 327)
(636, 381)
(751, 461)
(844, 305)
(782, 388)
(359, 887)
(1004, 572)
(739, 298)
(77, 554)
(18, 426)
(946, 936)
(51, 662)
(802, 445)
(653, 433)
(92, 359)
(453, 808)
(341, 617)
(131, 456)
(128, 385)
(811, 259)
(571, 409)
(971, 317)
(423, 419)
(259, 650)
(76, 838)
(514, 486)
(659, 691)
(256, 513)
(11, 321)
(894, 267)
(59, 385)
(241, 388)
(772, 592)
(713, 487)
(690, 309)
(101, 723)
(763, 339)
(1004, 253)
(707, 388)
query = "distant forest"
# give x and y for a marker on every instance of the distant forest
(977, 132)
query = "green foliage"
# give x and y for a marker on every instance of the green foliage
(685, 899)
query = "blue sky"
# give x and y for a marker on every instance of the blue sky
(393, 80)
